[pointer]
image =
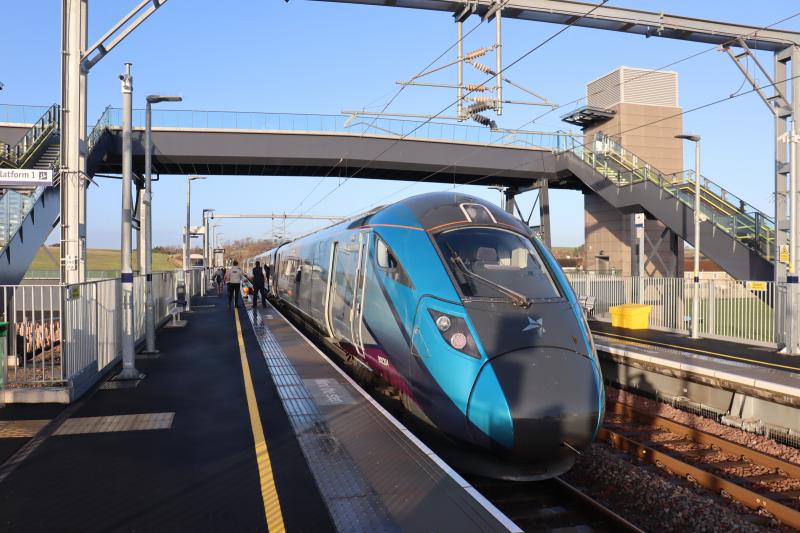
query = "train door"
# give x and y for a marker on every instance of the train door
(357, 313)
(330, 293)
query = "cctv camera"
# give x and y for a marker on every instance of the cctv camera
(121, 77)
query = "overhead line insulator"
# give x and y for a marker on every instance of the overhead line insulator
(484, 99)
(482, 68)
(483, 120)
(480, 106)
(476, 53)
(474, 87)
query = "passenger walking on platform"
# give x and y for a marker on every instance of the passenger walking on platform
(219, 276)
(258, 285)
(234, 280)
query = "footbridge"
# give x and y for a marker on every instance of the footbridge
(739, 237)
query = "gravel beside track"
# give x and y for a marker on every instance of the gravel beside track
(654, 500)
(755, 442)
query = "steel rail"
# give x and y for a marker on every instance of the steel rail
(701, 437)
(726, 488)
(598, 507)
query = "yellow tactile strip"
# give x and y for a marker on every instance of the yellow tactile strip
(108, 424)
(10, 429)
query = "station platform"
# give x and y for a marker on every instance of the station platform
(723, 365)
(240, 425)
(732, 351)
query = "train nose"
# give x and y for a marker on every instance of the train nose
(553, 397)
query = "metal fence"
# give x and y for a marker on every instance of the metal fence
(71, 335)
(738, 311)
(33, 343)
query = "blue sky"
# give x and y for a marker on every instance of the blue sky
(317, 57)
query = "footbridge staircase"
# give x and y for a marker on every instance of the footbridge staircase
(27, 216)
(734, 234)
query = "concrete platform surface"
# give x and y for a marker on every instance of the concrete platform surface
(241, 424)
(175, 452)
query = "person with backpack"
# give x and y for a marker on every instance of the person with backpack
(234, 280)
(219, 275)
(258, 285)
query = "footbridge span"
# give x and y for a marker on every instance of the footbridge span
(739, 238)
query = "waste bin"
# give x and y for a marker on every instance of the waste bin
(630, 316)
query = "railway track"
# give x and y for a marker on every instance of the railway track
(551, 505)
(766, 484)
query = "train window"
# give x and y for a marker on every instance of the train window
(484, 261)
(478, 214)
(386, 258)
(388, 262)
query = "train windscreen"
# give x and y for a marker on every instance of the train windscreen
(492, 263)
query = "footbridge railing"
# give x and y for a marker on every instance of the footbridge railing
(17, 155)
(723, 209)
(356, 125)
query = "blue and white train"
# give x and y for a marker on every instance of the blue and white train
(454, 303)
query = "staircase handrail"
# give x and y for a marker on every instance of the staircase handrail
(91, 140)
(635, 170)
(19, 154)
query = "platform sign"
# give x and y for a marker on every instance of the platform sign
(218, 258)
(638, 222)
(783, 254)
(24, 177)
(73, 292)
(758, 286)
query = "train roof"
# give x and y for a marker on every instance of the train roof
(429, 212)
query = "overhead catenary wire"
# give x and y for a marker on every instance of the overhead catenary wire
(651, 72)
(391, 100)
(578, 100)
(678, 114)
(499, 72)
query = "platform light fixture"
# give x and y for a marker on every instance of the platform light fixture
(146, 227)
(696, 269)
(187, 240)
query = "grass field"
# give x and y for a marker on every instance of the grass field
(100, 259)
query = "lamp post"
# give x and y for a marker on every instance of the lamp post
(146, 226)
(187, 240)
(207, 214)
(213, 243)
(126, 271)
(696, 271)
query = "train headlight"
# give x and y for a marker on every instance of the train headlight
(458, 341)
(455, 333)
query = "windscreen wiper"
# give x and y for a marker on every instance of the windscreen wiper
(518, 299)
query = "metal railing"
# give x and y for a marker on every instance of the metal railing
(18, 154)
(93, 315)
(21, 114)
(92, 275)
(69, 336)
(315, 123)
(15, 205)
(738, 311)
(34, 343)
(720, 207)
